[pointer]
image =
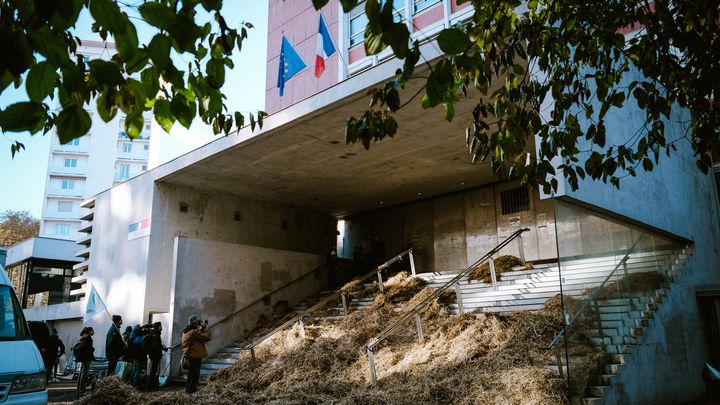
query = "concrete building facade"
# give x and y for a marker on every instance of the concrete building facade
(235, 227)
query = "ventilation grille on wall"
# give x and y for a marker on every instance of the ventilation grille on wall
(515, 200)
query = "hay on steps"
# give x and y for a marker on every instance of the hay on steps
(463, 359)
(502, 265)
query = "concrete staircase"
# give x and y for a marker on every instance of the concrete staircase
(621, 321)
(522, 289)
(620, 327)
(230, 354)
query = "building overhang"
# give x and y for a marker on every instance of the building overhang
(300, 158)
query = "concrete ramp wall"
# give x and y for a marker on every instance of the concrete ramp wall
(215, 279)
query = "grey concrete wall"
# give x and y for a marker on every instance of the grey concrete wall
(666, 366)
(118, 266)
(215, 279)
(212, 217)
(675, 197)
(66, 310)
(450, 232)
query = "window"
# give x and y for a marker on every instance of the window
(62, 229)
(65, 206)
(126, 148)
(13, 326)
(124, 171)
(147, 125)
(70, 163)
(515, 200)
(67, 184)
(421, 5)
(146, 147)
(123, 135)
(357, 25)
(358, 20)
(144, 167)
(74, 142)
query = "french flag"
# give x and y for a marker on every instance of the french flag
(325, 47)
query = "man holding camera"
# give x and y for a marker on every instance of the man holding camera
(195, 334)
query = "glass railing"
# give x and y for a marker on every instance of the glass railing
(611, 274)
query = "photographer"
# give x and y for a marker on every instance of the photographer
(152, 343)
(195, 334)
(136, 354)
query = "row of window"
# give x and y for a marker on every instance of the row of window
(127, 147)
(358, 19)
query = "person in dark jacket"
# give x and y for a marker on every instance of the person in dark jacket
(194, 336)
(84, 354)
(55, 349)
(137, 354)
(154, 348)
(114, 345)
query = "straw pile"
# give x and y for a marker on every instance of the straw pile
(645, 282)
(464, 359)
(502, 264)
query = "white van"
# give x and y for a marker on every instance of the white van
(22, 371)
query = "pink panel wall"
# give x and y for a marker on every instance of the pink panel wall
(454, 7)
(298, 21)
(428, 17)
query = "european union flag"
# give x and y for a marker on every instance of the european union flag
(290, 64)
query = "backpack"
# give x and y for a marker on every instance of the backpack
(77, 351)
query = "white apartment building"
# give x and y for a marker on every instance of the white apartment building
(90, 164)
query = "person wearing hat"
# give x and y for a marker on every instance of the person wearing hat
(114, 345)
(55, 348)
(195, 334)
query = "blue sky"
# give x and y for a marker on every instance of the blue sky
(23, 178)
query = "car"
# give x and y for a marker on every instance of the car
(22, 371)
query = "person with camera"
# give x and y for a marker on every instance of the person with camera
(195, 334)
(154, 348)
(84, 353)
(136, 353)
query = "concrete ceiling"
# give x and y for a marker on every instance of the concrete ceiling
(305, 163)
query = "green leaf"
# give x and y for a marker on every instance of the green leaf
(23, 116)
(106, 73)
(163, 116)
(107, 109)
(72, 122)
(107, 13)
(453, 41)
(134, 124)
(239, 120)
(211, 5)
(159, 15)
(159, 51)
(215, 70)
(41, 81)
(318, 4)
(183, 110)
(127, 41)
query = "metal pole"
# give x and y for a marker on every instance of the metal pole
(371, 366)
(493, 276)
(599, 321)
(412, 263)
(380, 282)
(252, 357)
(521, 249)
(558, 360)
(627, 278)
(302, 328)
(344, 303)
(418, 323)
(458, 297)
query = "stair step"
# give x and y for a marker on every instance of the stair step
(599, 391)
(593, 401)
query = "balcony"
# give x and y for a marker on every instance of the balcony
(143, 137)
(89, 215)
(81, 279)
(80, 292)
(85, 240)
(83, 253)
(89, 203)
(86, 228)
(61, 216)
(81, 266)
(67, 171)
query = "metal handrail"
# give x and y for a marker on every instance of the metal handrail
(268, 295)
(561, 335)
(419, 307)
(337, 294)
